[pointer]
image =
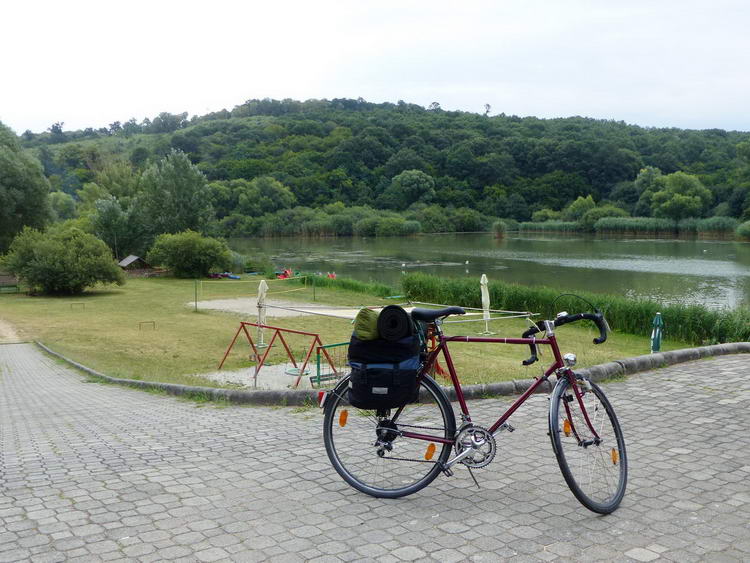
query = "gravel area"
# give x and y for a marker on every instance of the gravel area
(249, 306)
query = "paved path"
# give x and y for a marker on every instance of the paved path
(95, 472)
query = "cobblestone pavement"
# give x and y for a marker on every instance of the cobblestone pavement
(95, 472)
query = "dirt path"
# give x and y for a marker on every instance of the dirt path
(8, 333)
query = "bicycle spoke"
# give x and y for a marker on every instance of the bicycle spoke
(372, 454)
(594, 474)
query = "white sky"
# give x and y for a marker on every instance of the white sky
(654, 63)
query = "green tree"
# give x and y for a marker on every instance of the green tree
(680, 195)
(63, 206)
(646, 185)
(88, 195)
(64, 260)
(119, 179)
(121, 229)
(24, 191)
(262, 195)
(189, 254)
(174, 196)
(407, 188)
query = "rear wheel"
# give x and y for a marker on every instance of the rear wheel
(367, 449)
(594, 464)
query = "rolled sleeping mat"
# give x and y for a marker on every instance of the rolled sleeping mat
(394, 323)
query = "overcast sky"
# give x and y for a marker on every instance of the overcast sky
(652, 63)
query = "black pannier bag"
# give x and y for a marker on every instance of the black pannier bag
(384, 374)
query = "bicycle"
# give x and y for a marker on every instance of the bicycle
(397, 452)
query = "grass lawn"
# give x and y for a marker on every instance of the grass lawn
(109, 331)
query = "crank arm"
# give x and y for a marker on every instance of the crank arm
(464, 454)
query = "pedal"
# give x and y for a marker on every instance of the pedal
(510, 428)
(506, 426)
(447, 471)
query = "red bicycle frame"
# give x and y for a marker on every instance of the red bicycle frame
(443, 340)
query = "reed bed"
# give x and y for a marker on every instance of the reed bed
(550, 226)
(499, 228)
(691, 323)
(723, 226)
(635, 226)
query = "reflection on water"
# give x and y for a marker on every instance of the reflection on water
(716, 274)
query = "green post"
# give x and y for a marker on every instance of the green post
(313, 282)
(196, 295)
(658, 326)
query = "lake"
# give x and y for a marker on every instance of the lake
(712, 273)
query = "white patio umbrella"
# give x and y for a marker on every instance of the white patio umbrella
(262, 291)
(485, 303)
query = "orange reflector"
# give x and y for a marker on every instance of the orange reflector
(343, 417)
(615, 456)
(567, 427)
(430, 452)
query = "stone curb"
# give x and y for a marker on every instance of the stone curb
(293, 397)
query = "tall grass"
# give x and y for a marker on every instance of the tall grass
(369, 288)
(718, 225)
(691, 323)
(688, 226)
(499, 228)
(743, 231)
(635, 226)
(550, 226)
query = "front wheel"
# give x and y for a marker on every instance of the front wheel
(367, 447)
(588, 443)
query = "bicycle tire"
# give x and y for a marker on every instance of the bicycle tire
(608, 458)
(353, 454)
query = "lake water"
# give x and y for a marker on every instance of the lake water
(712, 273)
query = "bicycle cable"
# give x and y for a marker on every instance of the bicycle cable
(577, 297)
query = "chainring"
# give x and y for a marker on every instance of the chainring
(481, 441)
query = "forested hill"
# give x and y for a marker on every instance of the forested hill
(359, 153)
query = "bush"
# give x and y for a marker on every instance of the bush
(511, 224)
(389, 227)
(260, 264)
(62, 261)
(189, 254)
(545, 215)
(589, 219)
(743, 231)
(499, 228)
(366, 227)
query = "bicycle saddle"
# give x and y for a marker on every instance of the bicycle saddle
(429, 315)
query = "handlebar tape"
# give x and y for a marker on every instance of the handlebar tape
(597, 318)
(534, 352)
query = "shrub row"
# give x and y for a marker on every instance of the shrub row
(338, 220)
(691, 323)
